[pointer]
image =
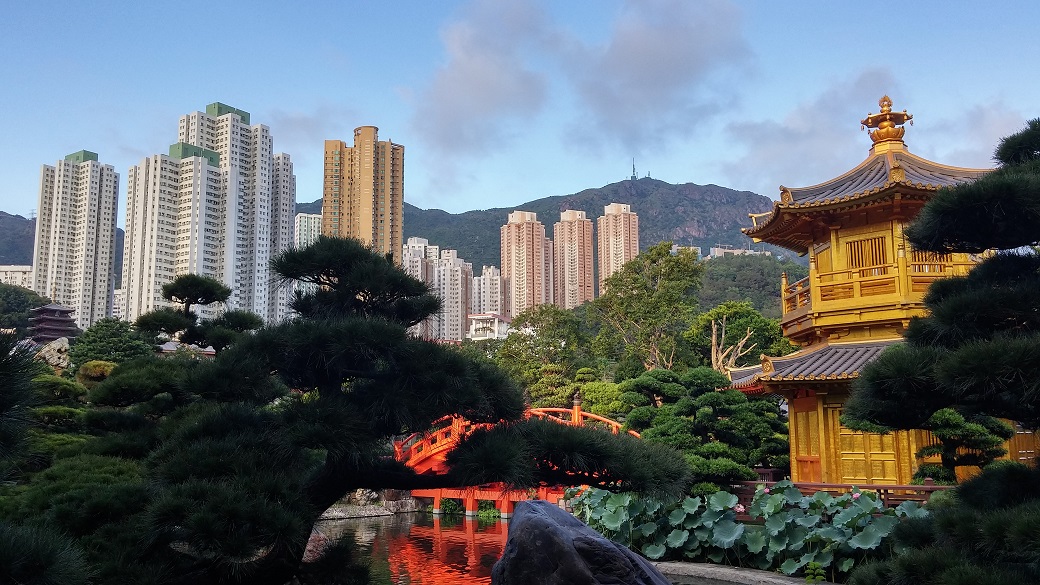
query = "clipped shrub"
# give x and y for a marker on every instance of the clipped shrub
(51, 389)
(94, 372)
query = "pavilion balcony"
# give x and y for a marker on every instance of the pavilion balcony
(858, 293)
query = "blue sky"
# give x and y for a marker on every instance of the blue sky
(500, 102)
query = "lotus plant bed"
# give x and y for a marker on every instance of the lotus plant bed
(818, 536)
(889, 495)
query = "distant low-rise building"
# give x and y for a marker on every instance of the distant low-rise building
(17, 275)
(720, 251)
(483, 326)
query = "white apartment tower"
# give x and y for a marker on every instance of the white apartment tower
(618, 230)
(221, 204)
(450, 278)
(486, 294)
(308, 228)
(527, 264)
(74, 253)
(572, 255)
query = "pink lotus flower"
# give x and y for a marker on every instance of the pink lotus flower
(765, 490)
(855, 496)
(739, 508)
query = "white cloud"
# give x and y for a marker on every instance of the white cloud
(814, 142)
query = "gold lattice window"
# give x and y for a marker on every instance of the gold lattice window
(869, 255)
(921, 261)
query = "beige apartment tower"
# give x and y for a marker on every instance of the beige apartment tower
(527, 266)
(572, 256)
(363, 194)
(618, 229)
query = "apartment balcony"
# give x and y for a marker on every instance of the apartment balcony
(862, 296)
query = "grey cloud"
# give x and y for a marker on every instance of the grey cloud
(486, 83)
(970, 139)
(654, 78)
(814, 142)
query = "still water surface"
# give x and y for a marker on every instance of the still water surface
(421, 548)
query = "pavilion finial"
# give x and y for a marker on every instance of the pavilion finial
(888, 123)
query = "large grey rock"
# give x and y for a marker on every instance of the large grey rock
(548, 546)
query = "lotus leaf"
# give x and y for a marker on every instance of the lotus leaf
(825, 557)
(848, 517)
(621, 500)
(703, 533)
(911, 509)
(654, 551)
(844, 565)
(726, 533)
(793, 495)
(776, 524)
(677, 516)
(754, 540)
(692, 505)
(722, 501)
(614, 519)
(710, 517)
(806, 520)
(869, 538)
(677, 538)
(647, 528)
(791, 565)
(778, 543)
(807, 558)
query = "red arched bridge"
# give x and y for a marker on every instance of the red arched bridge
(427, 453)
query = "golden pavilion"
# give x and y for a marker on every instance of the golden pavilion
(865, 283)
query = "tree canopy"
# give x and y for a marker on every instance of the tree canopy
(15, 306)
(649, 302)
(307, 408)
(110, 340)
(195, 289)
(753, 279)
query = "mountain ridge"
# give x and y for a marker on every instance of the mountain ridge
(687, 214)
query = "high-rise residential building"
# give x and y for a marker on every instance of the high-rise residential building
(450, 278)
(486, 293)
(307, 229)
(527, 264)
(618, 235)
(18, 275)
(363, 195)
(572, 256)
(220, 204)
(74, 253)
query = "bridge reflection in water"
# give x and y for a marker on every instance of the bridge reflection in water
(419, 548)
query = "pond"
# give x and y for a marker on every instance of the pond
(421, 548)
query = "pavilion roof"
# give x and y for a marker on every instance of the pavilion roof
(889, 168)
(821, 363)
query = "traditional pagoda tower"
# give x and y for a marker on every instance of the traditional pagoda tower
(51, 322)
(865, 283)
